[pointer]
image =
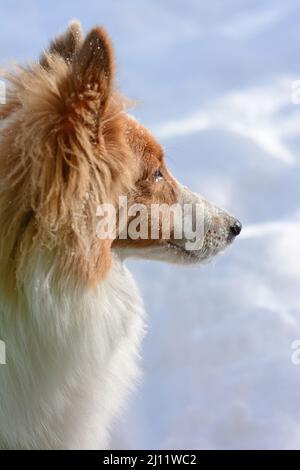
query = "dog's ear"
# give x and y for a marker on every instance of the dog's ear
(85, 87)
(93, 66)
(65, 45)
(74, 100)
(71, 145)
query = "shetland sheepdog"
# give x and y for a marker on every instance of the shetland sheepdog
(71, 317)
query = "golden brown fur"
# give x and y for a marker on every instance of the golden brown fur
(67, 146)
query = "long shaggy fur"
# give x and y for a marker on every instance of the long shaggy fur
(62, 154)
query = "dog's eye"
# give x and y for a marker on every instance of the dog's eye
(158, 176)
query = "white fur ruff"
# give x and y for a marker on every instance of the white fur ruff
(72, 356)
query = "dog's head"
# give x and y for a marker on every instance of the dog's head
(70, 151)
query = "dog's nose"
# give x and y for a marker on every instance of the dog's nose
(236, 228)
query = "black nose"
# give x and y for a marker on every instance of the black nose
(236, 228)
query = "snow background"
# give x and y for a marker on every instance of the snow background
(213, 79)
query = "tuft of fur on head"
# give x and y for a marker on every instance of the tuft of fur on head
(65, 45)
(62, 153)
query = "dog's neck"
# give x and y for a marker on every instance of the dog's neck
(68, 348)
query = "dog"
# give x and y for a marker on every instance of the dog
(71, 316)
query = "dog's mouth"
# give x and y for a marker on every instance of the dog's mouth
(192, 256)
(212, 245)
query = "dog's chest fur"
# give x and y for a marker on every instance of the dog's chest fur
(71, 357)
